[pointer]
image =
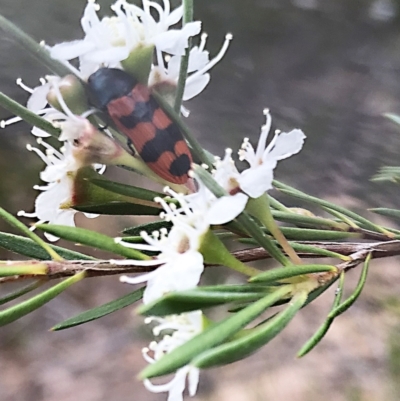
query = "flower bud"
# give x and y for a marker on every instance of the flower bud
(139, 61)
(71, 91)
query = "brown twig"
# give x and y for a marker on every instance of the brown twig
(96, 268)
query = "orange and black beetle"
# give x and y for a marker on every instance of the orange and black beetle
(136, 113)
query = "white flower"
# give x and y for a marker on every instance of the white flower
(181, 263)
(110, 40)
(53, 205)
(206, 209)
(257, 179)
(185, 326)
(180, 259)
(199, 65)
(37, 103)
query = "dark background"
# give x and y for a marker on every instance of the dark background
(329, 67)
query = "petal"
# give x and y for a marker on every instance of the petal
(71, 50)
(175, 41)
(195, 86)
(193, 379)
(38, 100)
(173, 67)
(65, 218)
(108, 55)
(226, 209)
(174, 17)
(183, 273)
(51, 237)
(286, 145)
(39, 132)
(198, 59)
(256, 181)
(91, 215)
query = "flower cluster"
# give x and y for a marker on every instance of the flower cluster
(109, 42)
(182, 250)
(121, 40)
(145, 43)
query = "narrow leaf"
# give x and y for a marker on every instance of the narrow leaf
(27, 115)
(281, 273)
(27, 247)
(91, 238)
(353, 297)
(393, 117)
(20, 292)
(100, 311)
(387, 212)
(186, 301)
(119, 209)
(327, 205)
(16, 312)
(250, 340)
(307, 221)
(323, 329)
(127, 190)
(10, 219)
(212, 336)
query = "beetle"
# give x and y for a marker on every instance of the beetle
(137, 114)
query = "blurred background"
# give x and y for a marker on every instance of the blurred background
(329, 67)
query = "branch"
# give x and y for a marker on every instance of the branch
(96, 268)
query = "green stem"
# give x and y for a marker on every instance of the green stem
(180, 89)
(27, 115)
(23, 269)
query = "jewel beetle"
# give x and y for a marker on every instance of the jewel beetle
(137, 114)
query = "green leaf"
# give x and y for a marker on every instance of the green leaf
(186, 301)
(387, 173)
(306, 221)
(127, 190)
(250, 340)
(212, 336)
(27, 115)
(20, 292)
(27, 247)
(100, 311)
(386, 212)
(286, 272)
(119, 209)
(308, 234)
(93, 239)
(318, 251)
(148, 227)
(393, 117)
(16, 312)
(323, 329)
(357, 292)
(327, 205)
(10, 219)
